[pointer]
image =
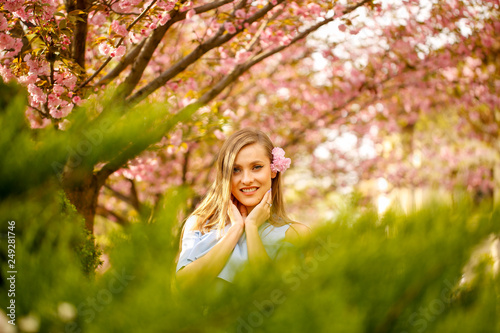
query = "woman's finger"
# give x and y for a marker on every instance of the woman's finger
(230, 210)
(267, 198)
(264, 198)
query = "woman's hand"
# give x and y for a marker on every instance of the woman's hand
(260, 213)
(237, 212)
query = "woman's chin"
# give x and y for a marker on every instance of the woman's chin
(249, 202)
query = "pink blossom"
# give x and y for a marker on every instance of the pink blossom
(176, 138)
(66, 40)
(3, 23)
(242, 56)
(21, 13)
(69, 80)
(49, 8)
(28, 79)
(191, 83)
(77, 100)
(450, 73)
(18, 45)
(173, 85)
(164, 18)
(65, 79)
(98, 18)
(134, 38)
(119, 52)
(219, 135)
(104, 48)
(227, 64)
(54, 101)
(58, 77)
(280, 162)
(230, 27)
(13, 5)
(6, 42)
(297, 10)
(58, 89)
(120, 29)
(314, 9)
(35, 120)
(61, 112)
(240, 13)
(166, 5)
(285, 40)
(274, 2)
(342, 27)
(59, 108)
(127, 5)
(6, 73)
(339, 10)
(36, 66)
(36, 93)
(190, 14)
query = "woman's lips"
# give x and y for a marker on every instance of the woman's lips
(249, 190)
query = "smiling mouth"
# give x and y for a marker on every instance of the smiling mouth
(249, 190)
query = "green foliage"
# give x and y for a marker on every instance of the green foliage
(85, 247)
(358, 273)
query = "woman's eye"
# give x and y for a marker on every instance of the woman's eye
(235, 170)
(257, 167)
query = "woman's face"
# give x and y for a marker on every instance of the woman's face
(252, 175)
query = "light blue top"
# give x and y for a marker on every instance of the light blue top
(196, 245)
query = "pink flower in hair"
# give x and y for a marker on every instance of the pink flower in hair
(280, 162)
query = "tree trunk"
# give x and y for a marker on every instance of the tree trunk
(82, 189)
(80, 39)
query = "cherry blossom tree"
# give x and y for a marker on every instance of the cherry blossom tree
(384, 72)
(418, 91)
(184, 53)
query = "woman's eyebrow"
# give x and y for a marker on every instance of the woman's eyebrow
(251, 163)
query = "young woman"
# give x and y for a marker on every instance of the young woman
(242, 218)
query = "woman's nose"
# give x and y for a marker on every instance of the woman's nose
(247, 178)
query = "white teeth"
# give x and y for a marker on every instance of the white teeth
(249, 189)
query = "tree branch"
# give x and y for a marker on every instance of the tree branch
(80, 39)
(140, 64)
(240, 69)
(124, 62)
(202, 9)
(142, 143)
(218, 39)
(185, 166)
(117, 45)
(130, 200)
(101, 210)
(134, 196)
(261, 29)
(303, 34)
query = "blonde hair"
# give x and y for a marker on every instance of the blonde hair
(213, 209)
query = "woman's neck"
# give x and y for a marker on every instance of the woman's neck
(249, 209)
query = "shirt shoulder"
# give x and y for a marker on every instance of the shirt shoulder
(297, 232)
(190, 223)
